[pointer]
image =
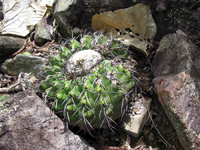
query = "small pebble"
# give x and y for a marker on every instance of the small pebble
(151, 137)
(161, 6)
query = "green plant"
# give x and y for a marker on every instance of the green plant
(97, 98)
(4, 97)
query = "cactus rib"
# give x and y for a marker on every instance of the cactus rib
(97, 98)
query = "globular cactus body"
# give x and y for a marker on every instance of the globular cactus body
(93, 99)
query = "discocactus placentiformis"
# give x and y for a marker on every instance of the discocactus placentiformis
(93, 88)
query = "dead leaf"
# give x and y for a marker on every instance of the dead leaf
(20, 16)
(133, 26)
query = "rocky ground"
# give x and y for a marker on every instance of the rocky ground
(158, 131)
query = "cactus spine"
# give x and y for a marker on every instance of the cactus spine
(94, 99)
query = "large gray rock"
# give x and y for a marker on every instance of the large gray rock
(176, 67)
(68, 14)
(10, 44)
(27, 123)
(23, 63)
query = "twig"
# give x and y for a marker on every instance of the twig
(197, 42)
(25, 81)
(22, 48)
(46, 50)
(139, 147)
(164, 140)
(15, 87)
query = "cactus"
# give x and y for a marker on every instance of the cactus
(91, 100)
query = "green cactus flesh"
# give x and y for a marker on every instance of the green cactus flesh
(95, 99)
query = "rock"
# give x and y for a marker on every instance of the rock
(83, 61)
(44, 31)
(23, 63)
(195, 15)
(68, 14)
(161, 5)
(27, 123)
(135, 121)
(176, 69)
(10, 44)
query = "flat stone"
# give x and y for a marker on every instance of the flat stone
(23, 63)
(134, 122)
(27, 123)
